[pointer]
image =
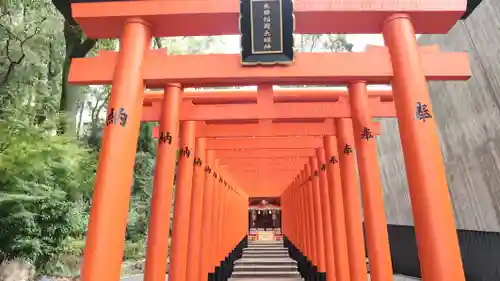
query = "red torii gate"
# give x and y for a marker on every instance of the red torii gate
(400, 64)
(324, 261)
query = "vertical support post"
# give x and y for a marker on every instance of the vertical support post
(288, 223)
(326, 215)
(312, 219)
(338, 217)
(161, 200)
(435, 229)
(292, 214)
(377, 239)
(305, 214)
(178, 252)
(215, 217)
(351, 199)
(222, 210)
(194, 243)
(207, 223)
(318, 216)
(300, 214)
(110, 202)
(283, 204)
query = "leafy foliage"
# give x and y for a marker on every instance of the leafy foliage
(44, 182)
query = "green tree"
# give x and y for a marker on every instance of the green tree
(44, 181)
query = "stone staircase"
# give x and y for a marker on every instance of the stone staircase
(265, 260)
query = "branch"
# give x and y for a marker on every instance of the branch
(14, 63)
(314, 38)
(82, 49)
(4, 146)
(158, 43)
(4, 14)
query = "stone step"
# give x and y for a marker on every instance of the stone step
(266, 242)
(274, 279)
(267, 255)
(265, 246)
(284, 252)
(266, 261)
(266, 250)
(265, 268)
(269, 275)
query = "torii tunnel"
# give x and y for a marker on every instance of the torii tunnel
(305, 156)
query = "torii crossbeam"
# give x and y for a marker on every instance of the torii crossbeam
(309, 69)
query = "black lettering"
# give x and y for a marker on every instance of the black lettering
(367, 134)
(347, 149)
(333, 160)
(422, 112)
(114, 118)
(197, 162)
(165, 137)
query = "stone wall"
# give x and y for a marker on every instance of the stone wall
(468, 118)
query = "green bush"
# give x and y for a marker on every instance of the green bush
(135, 250)
(44, 187)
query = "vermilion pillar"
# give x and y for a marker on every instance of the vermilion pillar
(222, 231)
(207, 225)
(337, 209)
(293, 214)
(326, 215)
(377, 239)
(351, 200)
(110, 202)
(183, 188)
(231, 215)
(161, 199)
(310, 210)
(297, 214)
(284, 214)
(287, 214)
(435, 229)
(318, 227)
(306, 215)
(195, 221)
(215, 217)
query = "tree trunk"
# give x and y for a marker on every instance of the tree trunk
(70, 94)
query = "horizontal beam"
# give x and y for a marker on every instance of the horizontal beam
(271, 173)
(326, 128)
(318, 94)
(264, 143)
(280, 111)
(267, 190)
(264, 161)
(308, 69)
(274, 111)
(211, 17)
(265, 153)
(267, 167)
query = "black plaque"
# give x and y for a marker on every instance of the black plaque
(266, 31)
